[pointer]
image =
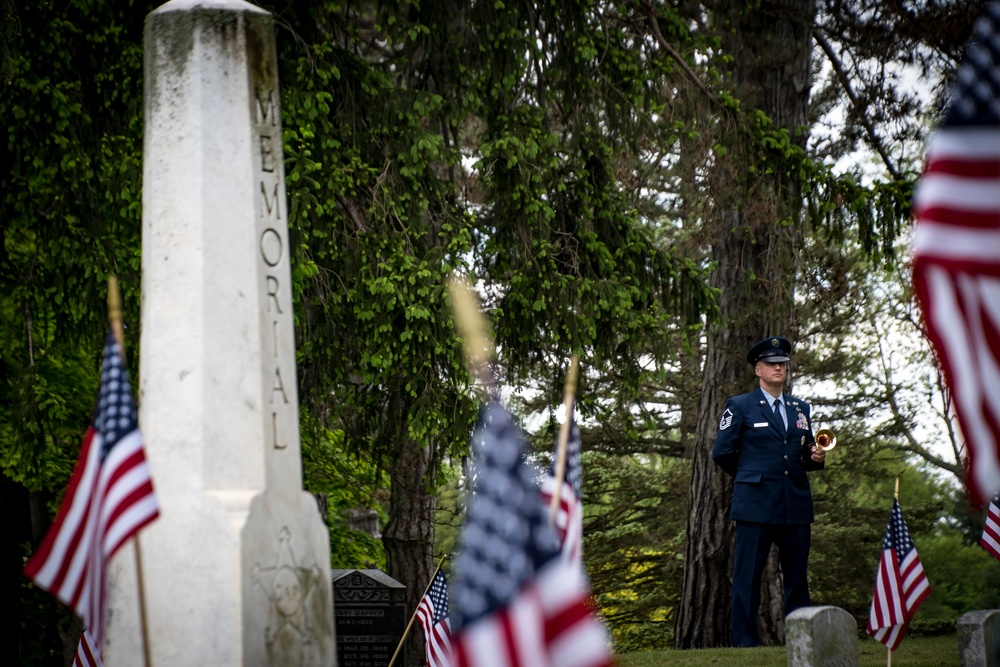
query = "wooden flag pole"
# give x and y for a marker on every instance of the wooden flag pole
(115, 313)
(471, 326)
(406, 632)
(568, 397)
(118, 329)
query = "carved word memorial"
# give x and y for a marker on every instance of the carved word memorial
(274, 256)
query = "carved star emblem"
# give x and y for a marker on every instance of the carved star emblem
(287, 586)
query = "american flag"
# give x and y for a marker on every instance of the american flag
(991, 531)
(569, 512)
(956, 252)
(516, 602)
(901, 585)
(432, 612)
(109, 499)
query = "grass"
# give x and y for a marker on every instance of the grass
(913, 652)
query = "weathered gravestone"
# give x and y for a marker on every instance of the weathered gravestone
(364, 520)
(821, 637)
(237, 566)
(979, 638)
(370, 617)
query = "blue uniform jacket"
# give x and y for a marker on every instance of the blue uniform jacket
(770, 469)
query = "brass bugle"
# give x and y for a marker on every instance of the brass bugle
(826, 439)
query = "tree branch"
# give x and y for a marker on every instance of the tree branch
(654, 24)
(930, 458)
(912, 446)
(856, 104)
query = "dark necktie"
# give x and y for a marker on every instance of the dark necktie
(781, 418)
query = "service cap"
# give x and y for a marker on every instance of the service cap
(774, 349)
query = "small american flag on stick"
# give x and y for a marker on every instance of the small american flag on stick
(516, 602)
(956, 252)
(109, 499)
(432, 612)
(900, 586)
(569, 512)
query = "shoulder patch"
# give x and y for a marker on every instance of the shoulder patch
(726, 421)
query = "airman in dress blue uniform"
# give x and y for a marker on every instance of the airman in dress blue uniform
(768, 454)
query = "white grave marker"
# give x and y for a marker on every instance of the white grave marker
(236, 569)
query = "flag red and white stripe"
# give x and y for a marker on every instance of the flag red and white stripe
(87, 654)
(548, 624)
(900, 585)
(568, 522)
(109, 499)
(991, 529)
(956, 253)
(516, 601)
(432, 612)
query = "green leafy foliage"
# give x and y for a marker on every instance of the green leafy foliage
(634, 544)
(378, 233)
(70, 200)
(71, 216)
(576, 269)
(963, 577)
(346, 482)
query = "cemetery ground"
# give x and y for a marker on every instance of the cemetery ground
(940, 651)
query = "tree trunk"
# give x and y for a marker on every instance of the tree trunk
(703, 618)
(409, 537)
(772, 603)
(755, 267)
(691, 377)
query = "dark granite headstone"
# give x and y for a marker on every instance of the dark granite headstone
(370, 617)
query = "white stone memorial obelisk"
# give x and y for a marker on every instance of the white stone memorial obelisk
(236, 570)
